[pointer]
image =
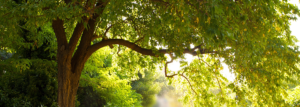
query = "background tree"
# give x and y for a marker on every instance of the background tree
(101, 86)
(252, 37)
(29, 77)
(32, 87)
(168, 94)
(147, 87)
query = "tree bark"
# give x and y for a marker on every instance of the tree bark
(68, 78)
(67, 86)
(67, 81)
(70, 66)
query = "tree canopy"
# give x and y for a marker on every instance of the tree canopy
(251, 36)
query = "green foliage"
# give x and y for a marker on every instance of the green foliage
(294, 98)
(103, 86)
(147, 87)
(29, 72)
(88, 97)
(39, 46)
(36, 86)
(251, 36)
(129, 63)
(165, 87)
(168, 93)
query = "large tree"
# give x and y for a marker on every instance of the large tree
(147, 87)
(252, 37)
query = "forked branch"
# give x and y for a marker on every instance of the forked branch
(171, 76)
(58, 27)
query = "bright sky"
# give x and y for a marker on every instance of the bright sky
(295, 28)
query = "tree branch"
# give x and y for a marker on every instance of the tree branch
(141, 50)
(60, 33)
(104, 35)
(76, 35)
(81, 52)
(106, 31)
(144, 51)
(171, 76)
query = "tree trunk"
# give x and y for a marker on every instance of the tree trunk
(70, 63)
(67, 88)
(68, 80)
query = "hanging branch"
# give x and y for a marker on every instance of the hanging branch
(104, 35)
(142, 50)
(171, 76)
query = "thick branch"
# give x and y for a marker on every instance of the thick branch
(60, 33)
(139, 49)
(76, 35)
(80, 55)
(78, 31)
